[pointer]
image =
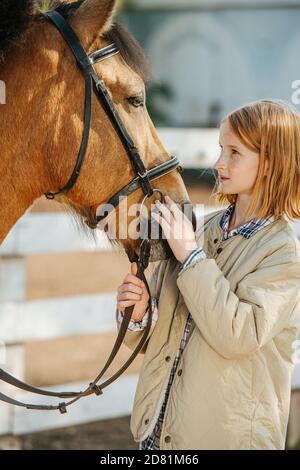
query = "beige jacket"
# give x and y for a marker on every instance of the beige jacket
(232, 384)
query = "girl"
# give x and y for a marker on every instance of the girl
(218, 359)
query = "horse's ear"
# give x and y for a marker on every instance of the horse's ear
(93, 17)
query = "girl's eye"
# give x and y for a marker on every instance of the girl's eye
(235, 152)
(136, 101)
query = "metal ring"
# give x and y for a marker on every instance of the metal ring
(149, 195)
(143, 203)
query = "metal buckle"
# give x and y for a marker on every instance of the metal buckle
(96, 389)
(100, 84)
(144, 175)
(62, 407)
(49, 195)
(104, 53)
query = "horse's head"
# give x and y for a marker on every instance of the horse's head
(53, 96)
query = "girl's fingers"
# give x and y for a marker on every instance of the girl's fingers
(133, 268)
(129, 287)
(163, 223)
(133, 279)
(165, 212)
(178, 214)
(175, 217)
(129, 296)
(126, 303)
(173, 207)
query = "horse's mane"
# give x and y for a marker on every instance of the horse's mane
(17, 16)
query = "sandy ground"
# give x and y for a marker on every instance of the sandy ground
(111, 434)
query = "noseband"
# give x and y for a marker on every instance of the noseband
(142, 179)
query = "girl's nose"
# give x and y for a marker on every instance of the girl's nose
(219, 165)
(221, 162)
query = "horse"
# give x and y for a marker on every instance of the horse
(42, 120)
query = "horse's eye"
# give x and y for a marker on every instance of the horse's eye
(136, 101)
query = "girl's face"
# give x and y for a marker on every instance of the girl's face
(235, 162)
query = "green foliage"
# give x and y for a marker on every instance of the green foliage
(45, 5)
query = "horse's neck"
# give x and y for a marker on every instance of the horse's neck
(17, 178)
(21, 171)
(20, 179)
(13, 204)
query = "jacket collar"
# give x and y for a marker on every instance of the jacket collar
(248, 229)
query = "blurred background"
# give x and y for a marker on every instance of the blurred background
(58, 288)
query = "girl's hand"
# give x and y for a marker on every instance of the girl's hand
(133, 291)
(177, 228)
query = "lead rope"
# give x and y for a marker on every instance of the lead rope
(142, 263)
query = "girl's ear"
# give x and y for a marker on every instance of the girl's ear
(93, 17)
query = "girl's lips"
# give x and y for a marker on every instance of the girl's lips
(224, 179)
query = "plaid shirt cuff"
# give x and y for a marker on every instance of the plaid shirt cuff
(197, 254)
(141, 325)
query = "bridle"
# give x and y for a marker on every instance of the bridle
(143, 178)
(86, 62)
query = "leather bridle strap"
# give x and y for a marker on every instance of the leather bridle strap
(104, 53)
(152, 174)
(85, 63)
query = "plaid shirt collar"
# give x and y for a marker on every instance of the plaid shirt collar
(248, 229)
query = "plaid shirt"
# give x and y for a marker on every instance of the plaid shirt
(246, 230)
